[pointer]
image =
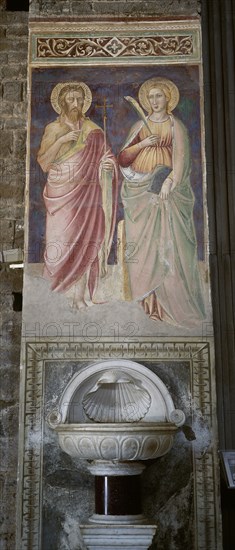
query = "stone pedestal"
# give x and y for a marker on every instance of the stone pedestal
(118, 521)
(118, 537)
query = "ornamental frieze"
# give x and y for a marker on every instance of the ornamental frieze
(178, 45)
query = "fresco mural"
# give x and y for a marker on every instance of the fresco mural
(116, 193)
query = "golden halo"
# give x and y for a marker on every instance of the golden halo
(59, 87)
(165, 85)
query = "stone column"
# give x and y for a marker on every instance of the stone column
(117, 492)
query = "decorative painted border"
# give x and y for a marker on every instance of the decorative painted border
(113, 46)
(197, 353)
(175, 42)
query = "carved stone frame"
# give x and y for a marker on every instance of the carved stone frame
(198, 354)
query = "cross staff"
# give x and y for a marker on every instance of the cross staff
(107, 200)
(105, 106)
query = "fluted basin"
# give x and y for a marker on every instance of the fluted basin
(125, 441)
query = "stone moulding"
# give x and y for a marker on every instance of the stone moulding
(198, 354)
(118, 538)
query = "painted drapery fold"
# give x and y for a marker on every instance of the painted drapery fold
(162, 236)
(75, 222)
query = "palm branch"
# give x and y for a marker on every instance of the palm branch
(138, 109)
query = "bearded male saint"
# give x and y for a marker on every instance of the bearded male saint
(73, 153)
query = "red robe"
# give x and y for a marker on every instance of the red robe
(75, 222)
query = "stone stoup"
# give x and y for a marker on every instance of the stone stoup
(13, 58)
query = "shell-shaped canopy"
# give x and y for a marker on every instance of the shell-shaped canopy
(116, 397)
(117, 391)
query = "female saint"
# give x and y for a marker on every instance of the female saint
(158, 203)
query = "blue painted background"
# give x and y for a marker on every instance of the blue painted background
(113, 83)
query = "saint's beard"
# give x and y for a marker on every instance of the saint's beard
(74, 115)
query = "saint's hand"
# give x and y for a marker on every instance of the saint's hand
(70, 136)
(106, 163)
(107, 166)
(166, 188)
(149, 141)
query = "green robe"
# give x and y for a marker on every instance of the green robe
(161, 241)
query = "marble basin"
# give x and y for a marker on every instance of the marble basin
(117, 411)
(121, 442)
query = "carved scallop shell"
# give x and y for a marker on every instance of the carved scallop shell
(116, 398)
